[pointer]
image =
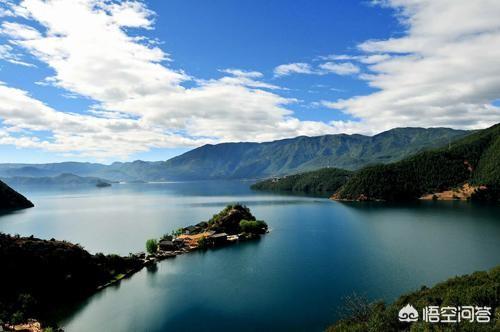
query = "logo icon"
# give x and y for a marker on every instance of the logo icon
(408, 314)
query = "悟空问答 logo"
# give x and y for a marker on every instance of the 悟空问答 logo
(408, 314)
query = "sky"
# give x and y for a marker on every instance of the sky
(102, 80)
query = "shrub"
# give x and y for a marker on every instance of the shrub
(151, 246)
(253, 226)
(17, 317)
(177, 232)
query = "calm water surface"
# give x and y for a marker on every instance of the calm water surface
(293, 279)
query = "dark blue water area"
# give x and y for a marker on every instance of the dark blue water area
(293, 279)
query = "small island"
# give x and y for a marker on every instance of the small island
(233, 224)
(102, 184)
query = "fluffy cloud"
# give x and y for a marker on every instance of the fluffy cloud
(140, 101)
(445, 71)
(293, 68)
(24, 117)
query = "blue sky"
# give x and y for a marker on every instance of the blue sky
(122, 80)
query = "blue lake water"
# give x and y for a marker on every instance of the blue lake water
(293, 279)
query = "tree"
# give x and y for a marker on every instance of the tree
(203, 242)
(253, 226)
(151, 246)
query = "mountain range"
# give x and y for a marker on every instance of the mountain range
(66, 179)
(257, 160)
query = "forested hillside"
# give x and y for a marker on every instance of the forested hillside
(474, 159)
(39, 276)
(480, 289)
(322, 181)
(300, 154)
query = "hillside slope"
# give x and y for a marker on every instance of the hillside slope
(11, 199)
(258, 160)
(480, 289)
(474, 159)
(322, 181)
(44, 275)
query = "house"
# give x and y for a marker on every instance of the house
(178, 242)
(166, 245)
(202, 225)
(218, 239)
(191, 230)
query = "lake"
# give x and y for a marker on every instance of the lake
(293, 279)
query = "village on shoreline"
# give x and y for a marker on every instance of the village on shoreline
(233, 224)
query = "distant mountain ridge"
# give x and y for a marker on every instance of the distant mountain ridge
(258, 160)
(67, 179)
(288, 156)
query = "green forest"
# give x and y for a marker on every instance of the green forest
(322, 181)
(474, 159)
(39, 276)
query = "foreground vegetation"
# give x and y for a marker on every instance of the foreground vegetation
(322, 181)
(39, 276)
(478, 289)
(474, 159)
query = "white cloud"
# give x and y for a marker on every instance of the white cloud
(439, 73)
(339, 68)
(343, 68)
(141, 102)
(293, 68)
(7, 53)
(90, 135)
(445, 71)
(131, 14)
(19, 31)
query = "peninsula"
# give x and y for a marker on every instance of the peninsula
(11, 199)
(45, 276)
